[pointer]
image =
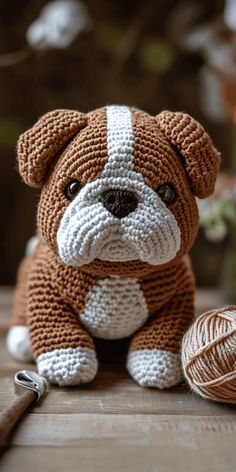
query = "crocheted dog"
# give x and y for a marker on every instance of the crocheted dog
(116, 217)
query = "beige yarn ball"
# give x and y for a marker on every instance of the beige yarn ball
(209, 355)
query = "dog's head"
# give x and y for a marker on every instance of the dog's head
(118, 185)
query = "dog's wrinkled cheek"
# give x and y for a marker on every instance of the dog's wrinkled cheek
(186, 214)
(51, 208)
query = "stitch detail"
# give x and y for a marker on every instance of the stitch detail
(154, 368)
(115, 308)
(72, 366)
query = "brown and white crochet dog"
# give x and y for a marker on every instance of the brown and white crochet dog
(116, 218)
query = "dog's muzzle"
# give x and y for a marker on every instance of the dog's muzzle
(118, 220)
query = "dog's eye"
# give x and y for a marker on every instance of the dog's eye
(167, 193)
(72, 189)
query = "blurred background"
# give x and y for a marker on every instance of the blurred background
(154, 54)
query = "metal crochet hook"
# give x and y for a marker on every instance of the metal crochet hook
(29, 387)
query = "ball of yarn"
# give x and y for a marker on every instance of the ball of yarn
(209, 355)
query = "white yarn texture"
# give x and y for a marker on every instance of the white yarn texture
(154, 368)
(18, 343)
(72, 366)
(115, 308)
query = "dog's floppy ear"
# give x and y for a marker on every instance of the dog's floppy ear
(201, 159)
(38, 146)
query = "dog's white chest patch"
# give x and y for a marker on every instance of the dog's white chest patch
(115, 308)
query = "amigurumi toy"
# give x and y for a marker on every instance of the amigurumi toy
(116, 217)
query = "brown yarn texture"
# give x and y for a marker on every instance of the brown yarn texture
(56, 294)
(37, 146)
(209, 355)
(65, 145)
(200, 157)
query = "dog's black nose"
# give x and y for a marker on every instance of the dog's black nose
(119, 202)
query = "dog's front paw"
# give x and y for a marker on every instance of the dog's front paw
(18, 343)
(71, 366)
(154, 368)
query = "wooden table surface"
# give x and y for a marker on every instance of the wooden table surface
(115, 425)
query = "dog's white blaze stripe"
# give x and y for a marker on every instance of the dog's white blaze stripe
(120, 141)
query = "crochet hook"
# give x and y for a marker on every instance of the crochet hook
(30, 388)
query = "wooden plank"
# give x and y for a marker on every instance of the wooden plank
(127, 459)
(92, 430)
(182, 457)
(113, 392)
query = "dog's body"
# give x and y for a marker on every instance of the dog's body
(116, 217)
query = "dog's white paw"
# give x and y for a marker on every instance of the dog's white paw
(18, 343)
(71, 366)
(154, 368)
